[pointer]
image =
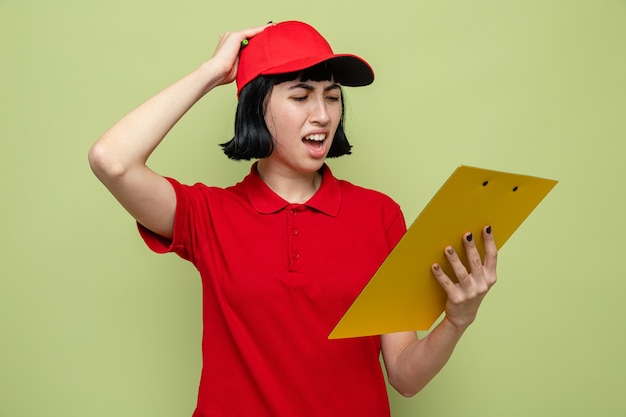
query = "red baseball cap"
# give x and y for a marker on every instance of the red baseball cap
(293, 46)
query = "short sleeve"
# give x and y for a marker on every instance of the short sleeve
(396, 226)
(180, 238)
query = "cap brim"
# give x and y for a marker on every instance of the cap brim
(348, 70)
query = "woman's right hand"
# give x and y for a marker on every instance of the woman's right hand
(118, 158)
(226, 55)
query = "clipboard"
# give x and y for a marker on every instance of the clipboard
(403, 295)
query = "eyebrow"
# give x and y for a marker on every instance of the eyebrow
(309, 87)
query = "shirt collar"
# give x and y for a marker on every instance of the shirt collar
(327, 199)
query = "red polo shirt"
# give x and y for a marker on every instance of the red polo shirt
(276, 279)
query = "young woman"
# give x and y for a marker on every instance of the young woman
(283, 253)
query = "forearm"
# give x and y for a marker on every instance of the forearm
(412, 363)
(131, 140)
(419, 361)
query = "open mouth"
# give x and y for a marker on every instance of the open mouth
(315, 141)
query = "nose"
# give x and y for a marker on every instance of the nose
(319, 112)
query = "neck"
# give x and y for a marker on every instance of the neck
(293, 187)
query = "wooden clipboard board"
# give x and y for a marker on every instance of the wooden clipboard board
(403, 295)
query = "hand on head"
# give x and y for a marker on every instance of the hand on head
(227, 50)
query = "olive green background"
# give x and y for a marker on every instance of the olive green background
(93, 324)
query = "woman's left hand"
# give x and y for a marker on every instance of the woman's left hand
(466, 295)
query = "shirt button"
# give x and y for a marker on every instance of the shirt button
(295, 255)
(293, 212)
(294, 231)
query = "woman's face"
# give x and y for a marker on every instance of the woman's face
(302, 117)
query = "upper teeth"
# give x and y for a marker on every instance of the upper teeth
(318, 137)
